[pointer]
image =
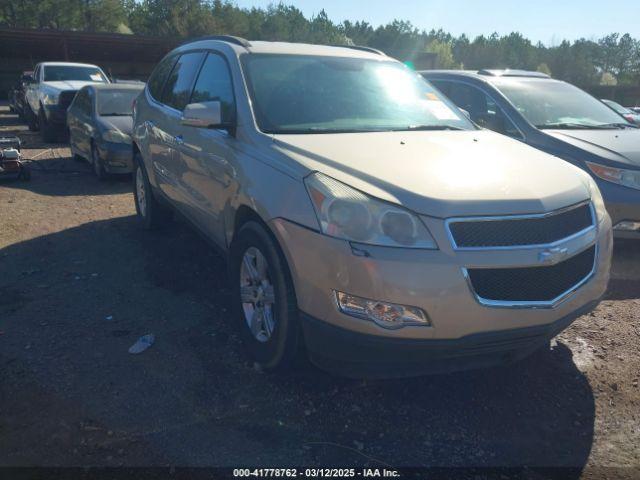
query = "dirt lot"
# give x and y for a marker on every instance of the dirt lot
(79, 282)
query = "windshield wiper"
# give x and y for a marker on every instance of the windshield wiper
(577, 126)
(619, 125)
(114, 114)
(425, 128)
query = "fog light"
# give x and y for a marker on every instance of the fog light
(627, 226)
(384, 314)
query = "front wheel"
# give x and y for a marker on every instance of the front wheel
(31, 119)
(47, 130)
(264, 298)
(97, 163)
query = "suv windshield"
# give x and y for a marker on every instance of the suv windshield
(318, 94)
(116, 102)
(553, 104)
(56, 73)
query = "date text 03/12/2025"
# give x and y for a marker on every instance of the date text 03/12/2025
(315, 473)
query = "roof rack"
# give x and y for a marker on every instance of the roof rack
(363, 49)
(507, 72)
(223, 38)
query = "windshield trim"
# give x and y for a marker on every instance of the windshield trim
(249, 91)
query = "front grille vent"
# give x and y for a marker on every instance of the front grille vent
(532, 284)
(529, 230)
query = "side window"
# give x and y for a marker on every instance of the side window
(77, 101)
(482, 109)
(177, 89)
(87, 107)
(214, 83)
(159, 75)
(441, 85)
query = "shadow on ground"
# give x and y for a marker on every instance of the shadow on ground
(77, 179)
(81, 297)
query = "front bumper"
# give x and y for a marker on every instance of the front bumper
(623, 204)
(359, 355)
(432, 280)
(116, 157)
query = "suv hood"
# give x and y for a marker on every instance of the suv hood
(618, 145)
(445, 173)
(68, 84)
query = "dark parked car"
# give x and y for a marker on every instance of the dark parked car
(99, 120)
(560, 119)
(16, 94)
(627, 113)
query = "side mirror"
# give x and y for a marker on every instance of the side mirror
(203, 115)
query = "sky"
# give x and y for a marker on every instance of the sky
(548, 21)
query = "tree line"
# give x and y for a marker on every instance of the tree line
(612, 59)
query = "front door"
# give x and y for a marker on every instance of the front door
(207, 154)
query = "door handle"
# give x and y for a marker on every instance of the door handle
(178, 139)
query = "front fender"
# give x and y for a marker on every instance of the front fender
(268, 192)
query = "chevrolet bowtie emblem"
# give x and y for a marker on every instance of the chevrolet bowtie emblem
(553, 255)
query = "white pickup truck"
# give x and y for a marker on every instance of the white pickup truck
(52, 90)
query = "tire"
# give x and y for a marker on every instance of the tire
(47, 131)
(151, 214)
(96, 163)
(274, 342)
(31, 119)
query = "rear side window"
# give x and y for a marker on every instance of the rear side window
(159, 75)
(177, 89)
(481, 107)
(83, 102)
(214, 83)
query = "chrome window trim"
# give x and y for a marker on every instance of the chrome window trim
(498, 218)
(535, 304)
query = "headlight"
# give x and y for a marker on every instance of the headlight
(346, 213)
(50, 99)
(628, 178)
(596, 198)
(116, 136)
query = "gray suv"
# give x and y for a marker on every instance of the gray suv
(365, 219)
(558, 118)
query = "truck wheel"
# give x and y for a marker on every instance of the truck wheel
(151, 214)
(47, 131)
(264, 300)
(31, 119)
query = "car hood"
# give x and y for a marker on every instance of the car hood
(618, 145)
(113, 122)
(68, 84)
(443, 174)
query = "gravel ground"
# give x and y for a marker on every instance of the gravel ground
(80, 282)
